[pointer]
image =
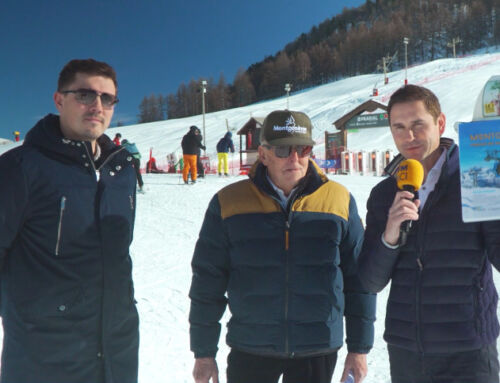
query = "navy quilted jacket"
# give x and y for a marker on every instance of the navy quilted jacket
(67, 302)
(442, 297)
(290, 277)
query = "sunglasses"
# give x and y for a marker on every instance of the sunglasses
(88, 97)
(284, 151)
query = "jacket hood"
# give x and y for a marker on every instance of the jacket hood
(47, 136)
(228, 135)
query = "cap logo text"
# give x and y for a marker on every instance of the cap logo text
(290, 127)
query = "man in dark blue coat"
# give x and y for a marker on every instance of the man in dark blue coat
(283, 245)
(224, 145)
(67, 208)
(441, 322)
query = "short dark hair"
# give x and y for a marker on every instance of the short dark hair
(87, 66)
(409, 93)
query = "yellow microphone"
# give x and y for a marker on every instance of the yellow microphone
(409, 177)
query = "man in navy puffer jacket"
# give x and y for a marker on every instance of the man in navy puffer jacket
(67, 208)
(284, 245)
(441, 322)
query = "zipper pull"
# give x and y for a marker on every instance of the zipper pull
(287, 235)
(420, 265)
(97, 175)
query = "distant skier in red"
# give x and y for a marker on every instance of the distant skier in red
(117, 139)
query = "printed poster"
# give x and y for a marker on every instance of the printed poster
(479, 145)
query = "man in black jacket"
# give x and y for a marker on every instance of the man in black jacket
(67, 208)
(199, 165)
(191, 145)
(441, 320)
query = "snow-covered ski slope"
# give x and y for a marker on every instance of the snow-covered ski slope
(456, 82)
(170, 214)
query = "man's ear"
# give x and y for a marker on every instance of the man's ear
(58, 100)
(262, 155)
(441, 123)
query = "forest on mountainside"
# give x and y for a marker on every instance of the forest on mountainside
(351, 43)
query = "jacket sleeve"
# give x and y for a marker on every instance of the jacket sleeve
(13, 201)
(491, 234)
(376, 261)
(210, 266)
(359, 304)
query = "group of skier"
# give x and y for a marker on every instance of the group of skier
(191, 150)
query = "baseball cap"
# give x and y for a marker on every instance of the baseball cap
(286, 127)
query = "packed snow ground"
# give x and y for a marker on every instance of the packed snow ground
(170, 214)
(169, 217)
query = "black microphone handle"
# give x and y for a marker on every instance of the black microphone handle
(406, 225)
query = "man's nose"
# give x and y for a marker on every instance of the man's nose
(97, 105)
(294, 156)
(409, 134)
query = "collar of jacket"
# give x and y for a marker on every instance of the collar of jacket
(46, 135)
(313, 179)
(445, 143)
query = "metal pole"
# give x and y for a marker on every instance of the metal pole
(405, 41)
(385, 70)
(203, 90)
(288, 87)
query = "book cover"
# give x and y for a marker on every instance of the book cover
(479, 146)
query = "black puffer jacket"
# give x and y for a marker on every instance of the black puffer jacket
(67, 300)
(191, 143)
(442, 297)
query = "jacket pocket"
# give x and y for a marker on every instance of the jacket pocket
(62, 207)
(131, 200)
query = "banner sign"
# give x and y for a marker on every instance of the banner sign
(376, 120)
(327, 164)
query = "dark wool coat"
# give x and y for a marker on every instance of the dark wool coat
(67, 298)
(442, 297)
(290, 276)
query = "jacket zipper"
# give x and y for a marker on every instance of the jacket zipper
(287, 276)
(59, 226)
(287, 264)
(109, 158)
(131, 199)
(98, 170)
(287, 293)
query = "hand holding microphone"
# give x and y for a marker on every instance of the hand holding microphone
(404, 209)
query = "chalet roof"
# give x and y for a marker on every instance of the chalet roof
(368, 106)
(252, 124)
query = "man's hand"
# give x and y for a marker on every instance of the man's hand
(357, 364)
(402, 209)
(204, 369)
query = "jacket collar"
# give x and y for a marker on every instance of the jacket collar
(46, 135)
(313, 179)
(445, 143)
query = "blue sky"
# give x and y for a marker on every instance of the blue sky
(153, 45)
